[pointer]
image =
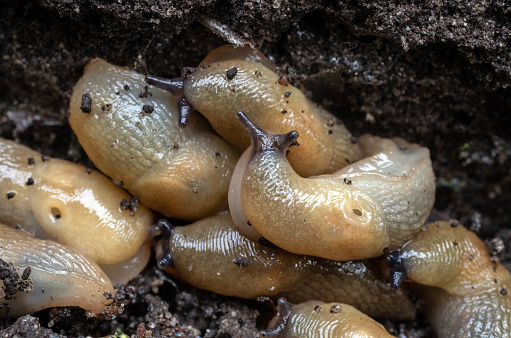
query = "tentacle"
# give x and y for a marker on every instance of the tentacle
(397, 272)
(280, 320)
(167, 229)
(175, 87)
(263, 139)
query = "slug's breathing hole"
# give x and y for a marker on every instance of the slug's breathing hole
(55, 212)
(357, 212)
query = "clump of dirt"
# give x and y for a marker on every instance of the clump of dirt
(434, 72)
(12, 281)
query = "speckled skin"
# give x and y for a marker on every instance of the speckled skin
(230, 52)
(325, 144)
(205, 253)
(379, 202)
(322, 320)
(71, 204)
(60, 276)
(180, 172)
(467, 293)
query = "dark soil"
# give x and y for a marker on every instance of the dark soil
(433, 72)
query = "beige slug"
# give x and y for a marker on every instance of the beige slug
(211, 254)
(240, 79)
(57, 276)
(321, 320)
(376, 203)
(229, 52)
(466, 294)
(131, 133)
(78, 207)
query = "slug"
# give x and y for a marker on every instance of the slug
(130, 131)
(321, 320)
(52, 275)
(466, 294)
(377, 203)
(243, 79)
(78, 207)
(211, 254)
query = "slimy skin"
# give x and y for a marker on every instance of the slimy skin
(321, 320)
(211, 254)
(377, 203)
(60, 276)
(466, 294)
(66, 202)
(229, 52)
(132, 135)
(233, 80)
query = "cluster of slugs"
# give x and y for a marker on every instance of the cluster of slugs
(283, 201)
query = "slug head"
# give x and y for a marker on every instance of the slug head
(175, 87)
(163, 256)
(264, 140)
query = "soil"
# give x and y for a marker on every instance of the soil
(433, 72)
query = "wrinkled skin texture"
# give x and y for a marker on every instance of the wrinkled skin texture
(379, 202)
(66, 202)
(254, 88)
(467, 295)
(419, 93)
(211, 254)
(321, 320)
(60, 276)
(180, 172)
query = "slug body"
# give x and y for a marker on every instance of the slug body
(59, 276)
(239, 79)
(132, 134)
(66, 202)
(376, 203)
(321, 320)
(211, 254)
(466, 294)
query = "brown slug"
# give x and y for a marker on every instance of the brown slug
(466, 294)
(243, 79)
(131, 133)
(321, 320)
(52, 275)
(377, 203)
(211, 254)
(73, 205)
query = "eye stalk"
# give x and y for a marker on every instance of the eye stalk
(166, 229)
(397, 271)
(176, 88)
(263, 139)
(280, 321)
